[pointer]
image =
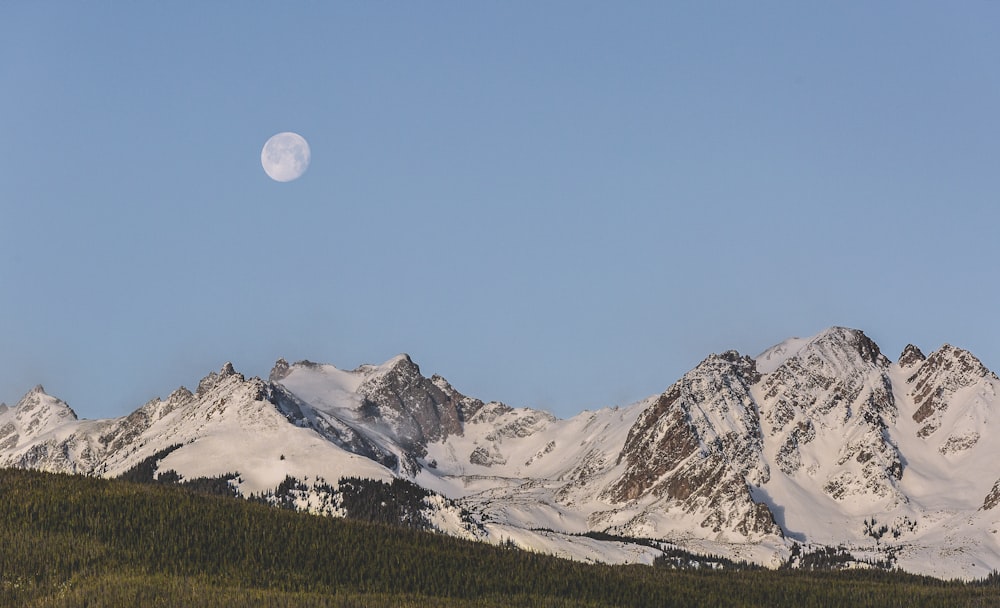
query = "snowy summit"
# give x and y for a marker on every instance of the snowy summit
(816, 442)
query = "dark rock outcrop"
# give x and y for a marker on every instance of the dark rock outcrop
(838, 387)
(947, 371)
(698, 446)
(333, 429)
(993, 498)
(416, 408)
(280, 370)
(911, 357)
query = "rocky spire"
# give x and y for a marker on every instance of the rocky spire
(911, 357)
(280, 370)
(208, 382)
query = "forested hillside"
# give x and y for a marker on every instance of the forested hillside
(72, 541)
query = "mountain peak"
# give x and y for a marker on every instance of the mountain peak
(402, 361)
(399, 369)
(418, 409)
(911, 356)
(280, 370)
(42, 410)
(935, 382)
(831, 341)
(208, 382)
(181, 393)
(856, 340)
(799, 445)
(958, 361)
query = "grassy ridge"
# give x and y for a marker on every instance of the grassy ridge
(71, 541)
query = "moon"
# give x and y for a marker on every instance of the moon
(285, 156)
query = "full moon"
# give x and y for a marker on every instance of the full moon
(285, 157)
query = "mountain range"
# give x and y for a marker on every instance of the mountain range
(816, 444)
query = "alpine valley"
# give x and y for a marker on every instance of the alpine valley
(817, 445)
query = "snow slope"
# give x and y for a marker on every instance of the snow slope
(818, 441)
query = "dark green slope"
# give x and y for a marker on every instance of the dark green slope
(75, 541)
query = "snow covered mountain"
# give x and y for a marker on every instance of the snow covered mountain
(817, 442)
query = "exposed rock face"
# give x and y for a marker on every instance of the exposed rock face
(127, 430)
(836, 388)
(467, 406)
(993, 498)
(279, 371)
(388, 413)
(30, 433)
(525, 425)
(699, 445)
(490, 412)
(211, 380)
(938, 379)
(417, 409)
(486, 457)
(336, 430)
(802, 441)
(35, 414)
(507, 425)
(911, 357)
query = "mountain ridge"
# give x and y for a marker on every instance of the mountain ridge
(808, 443)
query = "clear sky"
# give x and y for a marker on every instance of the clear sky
(562, 205)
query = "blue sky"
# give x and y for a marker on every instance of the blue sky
(562, 205)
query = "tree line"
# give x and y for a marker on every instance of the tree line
(73, 540)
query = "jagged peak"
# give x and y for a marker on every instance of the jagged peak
(953, 360)
(733, 356)
(730, 356)
(38, 400)
(746, 366)
(947, 350)
(840, 331)
(399, 370)
(400, 366)
(180, 393)
(467, 406)
(213, 378)
(836, 338)
(833, 340)
(953, 352)
(280, 370)
(36, 395)
(401, 361)
(911, 356)
(440, 381)
(853, 338)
